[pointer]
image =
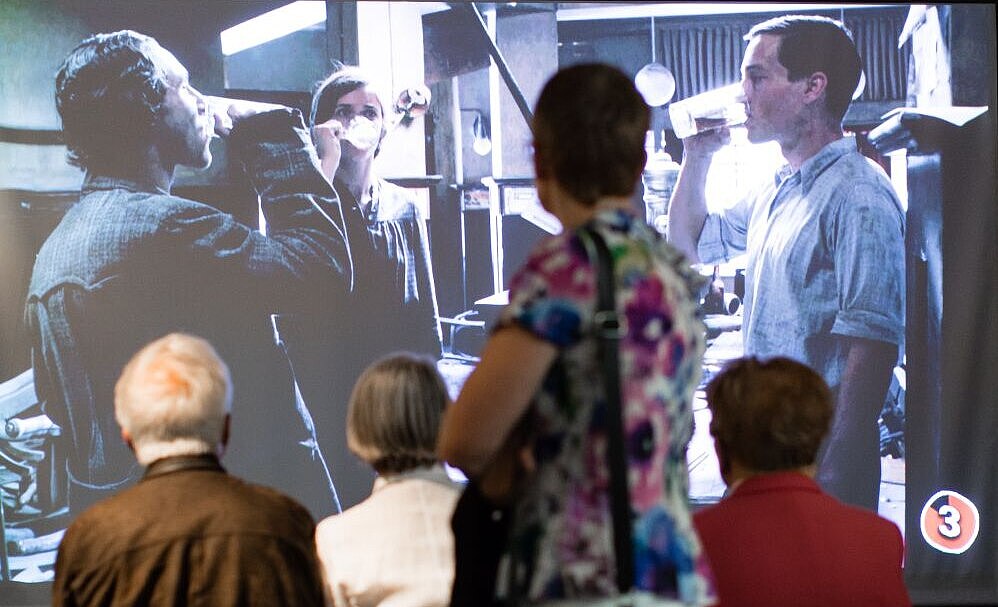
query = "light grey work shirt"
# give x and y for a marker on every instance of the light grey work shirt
(825, 257)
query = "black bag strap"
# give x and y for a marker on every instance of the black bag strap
(608, 332)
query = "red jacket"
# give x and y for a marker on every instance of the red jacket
(777, 539)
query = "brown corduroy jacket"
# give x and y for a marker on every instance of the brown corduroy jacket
(190, 534)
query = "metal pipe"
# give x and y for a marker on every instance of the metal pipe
(507, 76)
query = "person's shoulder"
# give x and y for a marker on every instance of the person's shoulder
(856, 169)
(396, 203)
(705, 514)
(110, 518)
(337, 529)
(861, 185)
(868, 519)
(566, 245)
(172, 204)
(136, 212)
(710, 516)
(557, 265)
(264, 495)
(395, 191)
(90, 521)
(242, 505)
(333, 526)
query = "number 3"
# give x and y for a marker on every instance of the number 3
(950, 526)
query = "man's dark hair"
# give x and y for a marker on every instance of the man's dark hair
(589, 130)
(769, 415)
(810, 44)
(108, 92)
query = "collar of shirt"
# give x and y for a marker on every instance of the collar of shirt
(205, 461)
(816, 165)
(618, 218)
(435, 473)
(94, 182)
(368, 207)
(774, 481)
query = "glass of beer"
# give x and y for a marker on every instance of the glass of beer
(713, 109)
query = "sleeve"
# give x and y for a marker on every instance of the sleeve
(312, 555)
(59, 374)
(62, 585)
(425, 285)
(553, 294)
(894, 587)
(334, 593)
(725, 234)
(301, 208)
(420, 296)
(867, 245)
(305, 248)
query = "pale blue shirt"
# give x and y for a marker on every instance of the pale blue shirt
(825, 257)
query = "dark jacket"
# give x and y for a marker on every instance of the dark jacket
(190, 534)
(392, 307)
(129, 264)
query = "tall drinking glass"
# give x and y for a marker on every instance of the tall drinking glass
(713, 109)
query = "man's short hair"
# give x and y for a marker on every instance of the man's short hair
(108, 92)
(769, 415)
(810, 44)
(589, 130)
(395, 412)
(173, 398)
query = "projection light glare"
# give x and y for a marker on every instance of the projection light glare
(481, 141)
(272, 25)
(860, 87)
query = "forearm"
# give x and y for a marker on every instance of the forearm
(422, 318)
(301, 208)
(276, 152)
(494, 397)
(865, 378)
(427, 286)
(688, 207)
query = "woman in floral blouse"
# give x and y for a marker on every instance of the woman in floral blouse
(541, 359)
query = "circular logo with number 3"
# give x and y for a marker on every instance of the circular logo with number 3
(950, 522)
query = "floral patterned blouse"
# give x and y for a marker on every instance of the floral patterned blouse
(561, 544)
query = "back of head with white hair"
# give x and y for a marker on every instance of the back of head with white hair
(173, 398)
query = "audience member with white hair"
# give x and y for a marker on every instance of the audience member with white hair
(188, 532)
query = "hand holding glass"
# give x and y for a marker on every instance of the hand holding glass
(225, 111)
(362, 133)
(713, 109)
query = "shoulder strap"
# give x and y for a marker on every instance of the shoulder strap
(608, 332)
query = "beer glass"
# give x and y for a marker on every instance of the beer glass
(713, 109)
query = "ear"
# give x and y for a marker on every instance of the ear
(723, 462)
(127, 437)
(224, 440)
(814, 87)
(641, 167)
(540, 167)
